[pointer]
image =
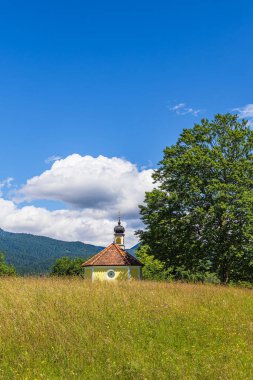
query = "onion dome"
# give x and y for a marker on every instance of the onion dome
(119, 229)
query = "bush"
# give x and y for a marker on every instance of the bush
(204, 277)
(65, 266)
(153, 269)
(242, 284)
(5, 269)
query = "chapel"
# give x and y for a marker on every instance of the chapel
(113, 262)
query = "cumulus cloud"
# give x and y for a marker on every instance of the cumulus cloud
(89, 226)
(245, 112)
(183, 109)
(86, 182)
(94, 189)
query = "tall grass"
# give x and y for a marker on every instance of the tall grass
(73, 329)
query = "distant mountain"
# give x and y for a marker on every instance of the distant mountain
(133, 249)
(32, 254)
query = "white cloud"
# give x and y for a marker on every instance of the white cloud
(148, 165)
(95, 189)
(85, 182)
(88, 226)
(183, 109)
(245, 112)
(5, 183)
(52, 159)
(178, 107)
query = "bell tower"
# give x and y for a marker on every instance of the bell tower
(119, 235)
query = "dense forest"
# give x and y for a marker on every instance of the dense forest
(31, 254)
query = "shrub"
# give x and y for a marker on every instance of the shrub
(65, 266)
(5, 269)
(153, 269)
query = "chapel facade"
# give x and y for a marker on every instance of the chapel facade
(113, 262)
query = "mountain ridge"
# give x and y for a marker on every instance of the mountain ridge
(34, 254)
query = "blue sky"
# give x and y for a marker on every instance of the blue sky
(117, 79)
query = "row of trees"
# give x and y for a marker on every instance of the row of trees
(199, 218)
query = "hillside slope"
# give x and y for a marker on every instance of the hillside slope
(32, 254)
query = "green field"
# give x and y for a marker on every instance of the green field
(72, 329)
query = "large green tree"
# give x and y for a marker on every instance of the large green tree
(199, 218)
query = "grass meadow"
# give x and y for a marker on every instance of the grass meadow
(54, 328)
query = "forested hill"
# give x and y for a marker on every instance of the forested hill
(32, 254)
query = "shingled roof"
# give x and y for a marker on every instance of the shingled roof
(112, 255)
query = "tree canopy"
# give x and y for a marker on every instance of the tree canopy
(199, 218)
(153, 268)
(5, 269)
(65, 266)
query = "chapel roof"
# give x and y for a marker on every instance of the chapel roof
(112, 255)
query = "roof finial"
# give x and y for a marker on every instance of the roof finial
(119, 222)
